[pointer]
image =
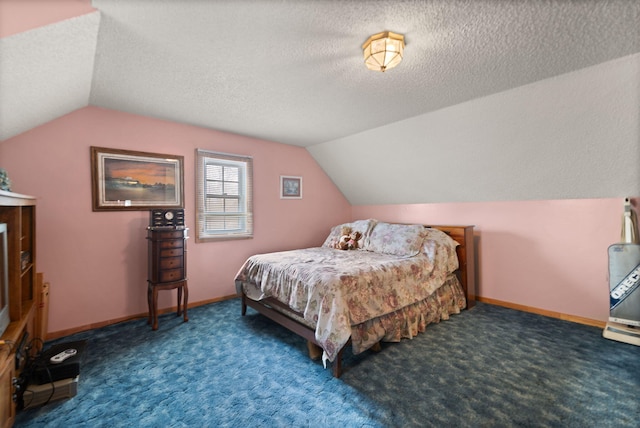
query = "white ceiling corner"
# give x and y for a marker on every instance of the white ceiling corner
(46, 73)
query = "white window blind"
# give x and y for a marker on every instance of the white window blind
(224, 196)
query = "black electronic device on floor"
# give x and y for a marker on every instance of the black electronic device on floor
(61, 361)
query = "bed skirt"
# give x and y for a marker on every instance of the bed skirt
(404, 323)
(407, 322)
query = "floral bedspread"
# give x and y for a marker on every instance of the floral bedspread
(337, 289)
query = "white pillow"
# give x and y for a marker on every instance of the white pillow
(404, 240)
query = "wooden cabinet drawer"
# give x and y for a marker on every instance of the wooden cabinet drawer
(169, 234)
(170, 262)
(171, 252)
(171, 275)
(167, 255)
(172, 243)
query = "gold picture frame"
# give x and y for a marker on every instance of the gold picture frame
(131, 180)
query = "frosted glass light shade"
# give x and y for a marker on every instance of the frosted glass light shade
(383, 51)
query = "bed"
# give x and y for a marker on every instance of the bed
(402, 278)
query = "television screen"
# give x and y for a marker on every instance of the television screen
(4, 279)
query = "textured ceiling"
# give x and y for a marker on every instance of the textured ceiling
(292, 71)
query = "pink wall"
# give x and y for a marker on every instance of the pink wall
(17, 16)
(96, 261)
(549, 255)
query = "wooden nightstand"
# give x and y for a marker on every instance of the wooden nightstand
(167, 268)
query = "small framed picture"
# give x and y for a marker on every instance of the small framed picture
(290, 187)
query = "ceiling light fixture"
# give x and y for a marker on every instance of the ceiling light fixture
(383, 51)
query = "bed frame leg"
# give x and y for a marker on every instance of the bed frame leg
(337, 365)
(315, 352)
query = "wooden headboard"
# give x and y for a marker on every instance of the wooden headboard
(463, 235)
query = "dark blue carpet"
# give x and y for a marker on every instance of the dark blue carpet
(487, 367)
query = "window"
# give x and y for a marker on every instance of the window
(224, 196)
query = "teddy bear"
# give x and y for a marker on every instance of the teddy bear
(348, 239)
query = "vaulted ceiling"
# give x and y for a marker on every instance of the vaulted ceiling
(292, 71)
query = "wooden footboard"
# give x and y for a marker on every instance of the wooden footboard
(466, 274)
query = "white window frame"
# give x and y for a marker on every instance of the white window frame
(245, 197)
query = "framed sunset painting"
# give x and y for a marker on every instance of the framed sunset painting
(129, 180)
